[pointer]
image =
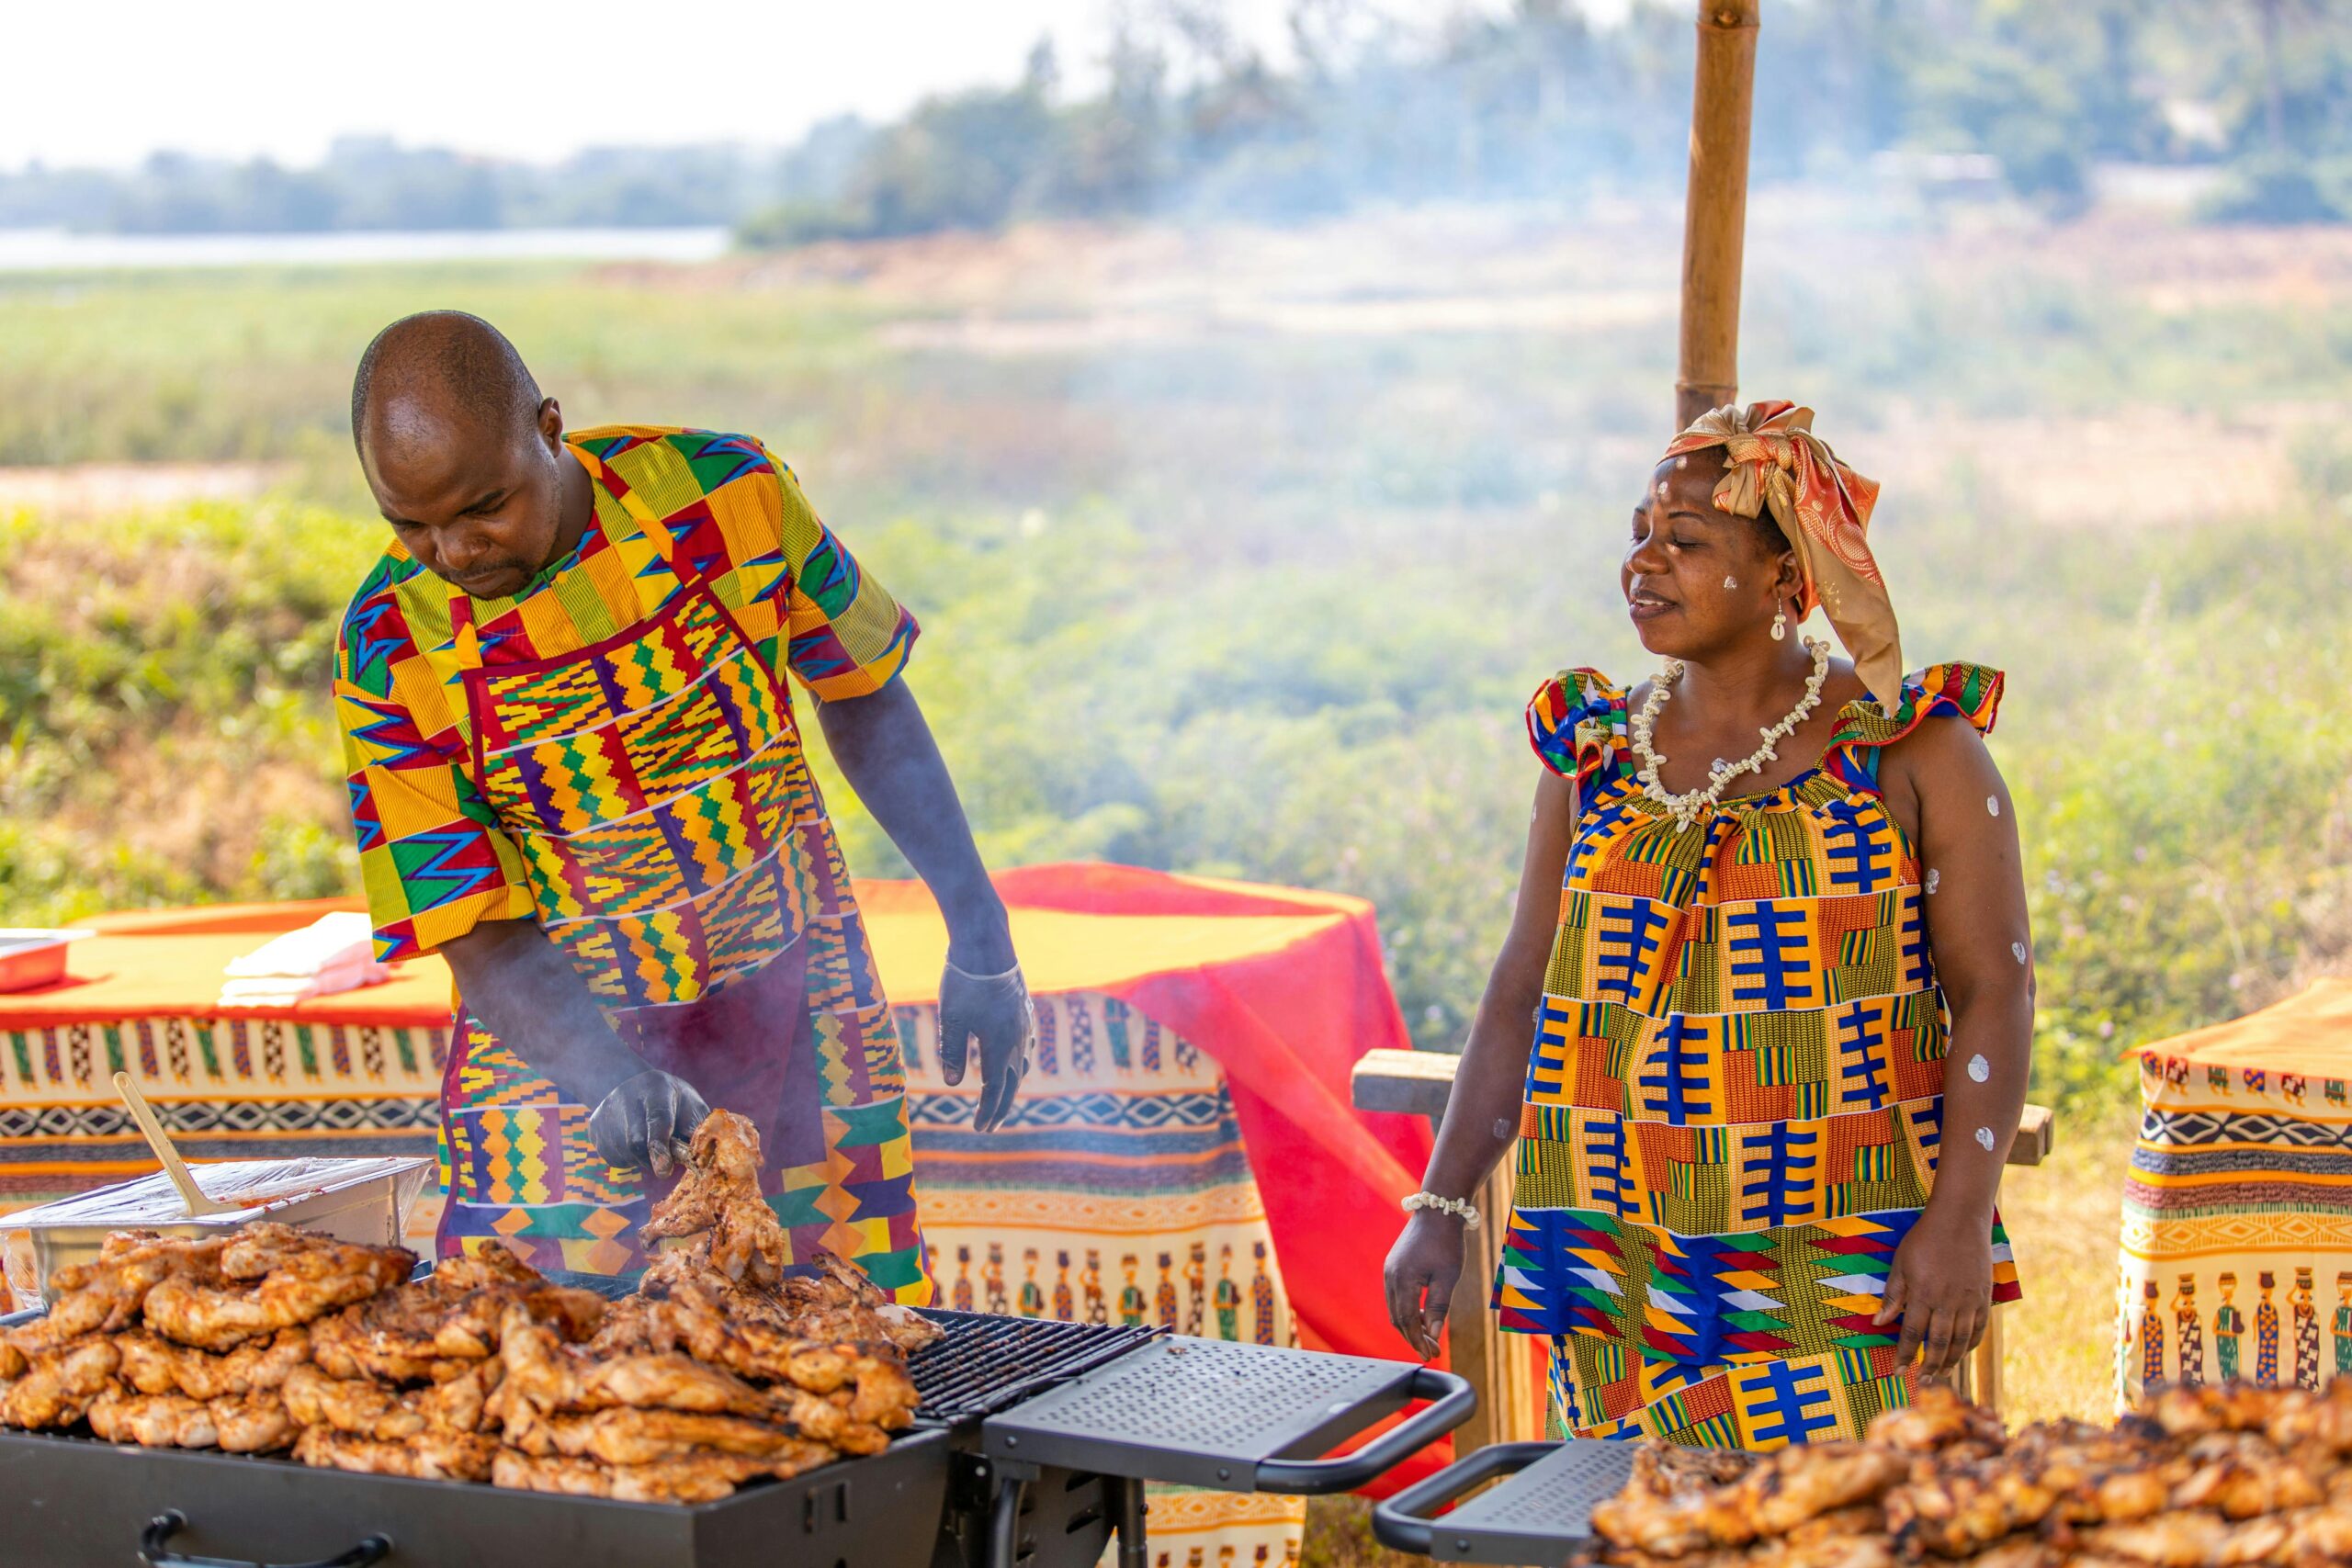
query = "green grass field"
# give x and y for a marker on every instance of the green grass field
(1238, 553)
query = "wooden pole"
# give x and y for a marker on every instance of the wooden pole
(1715, 215)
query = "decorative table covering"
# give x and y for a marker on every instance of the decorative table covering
(1194, 1037)
(2237, 1210)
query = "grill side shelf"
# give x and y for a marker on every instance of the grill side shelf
(1230, 1416)
(1541, 1515)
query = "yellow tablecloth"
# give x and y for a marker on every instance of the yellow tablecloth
(2236, 1258)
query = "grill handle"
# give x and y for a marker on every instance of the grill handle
(155, 1554)
(1400, 1522)
(1312, 1477)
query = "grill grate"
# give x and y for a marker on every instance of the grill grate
(988, 1361)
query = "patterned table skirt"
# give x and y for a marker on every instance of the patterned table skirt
(2237, 1231)
(1118, 1190)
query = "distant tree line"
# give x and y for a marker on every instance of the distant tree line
(1536, 100)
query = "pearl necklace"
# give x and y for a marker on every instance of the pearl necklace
(1688, 809)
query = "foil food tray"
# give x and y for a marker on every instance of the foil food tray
(362, 1200)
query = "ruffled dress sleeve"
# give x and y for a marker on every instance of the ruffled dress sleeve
(1576, 724)
(1971, 691)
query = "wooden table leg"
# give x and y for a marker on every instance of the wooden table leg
(1984, 1365)
(1499, 1366)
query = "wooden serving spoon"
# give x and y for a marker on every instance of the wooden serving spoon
(191, 1195)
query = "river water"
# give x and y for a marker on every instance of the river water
(56, 250)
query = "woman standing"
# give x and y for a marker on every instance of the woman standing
(1767, 896)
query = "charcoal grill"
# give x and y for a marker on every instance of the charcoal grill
(1032, 1450)
(1543, 1514)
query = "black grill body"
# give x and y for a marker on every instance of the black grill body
(960, 1491)
(79, 1503)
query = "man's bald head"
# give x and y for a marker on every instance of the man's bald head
(441, 368)
(465, 459)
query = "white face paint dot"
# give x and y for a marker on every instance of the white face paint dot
(1731, 583)
(1979, 1069)
(1683, 461)
(1992, 804)
(1985, 1139)
(1934, 879)
(2017, 950)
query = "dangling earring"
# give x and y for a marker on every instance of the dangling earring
(1781, 626)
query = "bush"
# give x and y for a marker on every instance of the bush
(2274, 187)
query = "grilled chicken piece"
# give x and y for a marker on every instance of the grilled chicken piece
(154, 1420)
(2231, 1407)
(693, 1318)
(2321, 1535)
(108, 1294)
(433, 1329)
(2167, 1540)
(154, 1365)
(2241, 1475)
(238, 1424)
(57, 1386)
(1783, 1491)
(252, 1423)
(1795, 1485)
(1669, 1470)
(840, 1303)
(2322, 1420)
(555, 1378)
(364, 1408)
(719, 1199)
(743, 1252)
(429, 1457)
(704, 1479)
(657, 1436)
(1937, 1419)
(275, 1277)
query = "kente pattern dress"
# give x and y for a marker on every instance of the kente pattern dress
(1734, 1100)
(613, 753)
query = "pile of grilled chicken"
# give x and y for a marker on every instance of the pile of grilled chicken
(721, 1369)
(2208, 1477)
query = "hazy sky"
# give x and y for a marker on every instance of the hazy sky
(108, 81)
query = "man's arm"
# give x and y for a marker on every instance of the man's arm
(885, 752)
(521, 987)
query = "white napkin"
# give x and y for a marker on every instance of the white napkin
(334, 953)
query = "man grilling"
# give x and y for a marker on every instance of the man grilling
(575, 772)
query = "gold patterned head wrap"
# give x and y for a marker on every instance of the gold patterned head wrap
(1772, 459)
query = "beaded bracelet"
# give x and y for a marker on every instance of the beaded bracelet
(1460, 1208)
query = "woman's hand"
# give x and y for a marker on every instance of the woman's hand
(1421, 1272)
(1942, 1289)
